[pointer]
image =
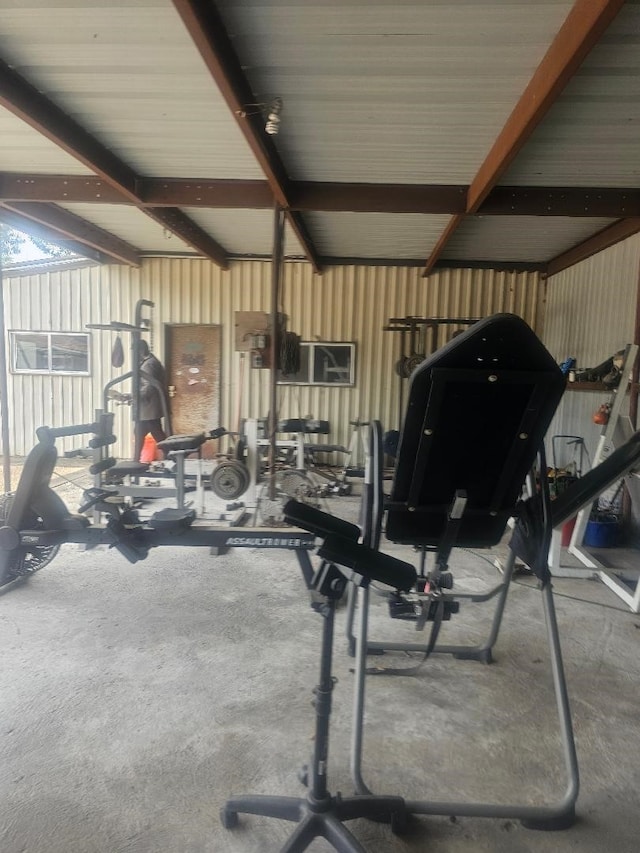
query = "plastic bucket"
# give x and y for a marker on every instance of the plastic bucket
(602, 534)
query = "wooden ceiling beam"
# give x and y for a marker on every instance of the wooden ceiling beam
(609, 202)
(433, 258)
(207, 30)
(576, 202)
(24, 186)
(377, 198)
(581, 30)
(174, 220)
(596, 243)
(61, 222)
(190, 192)
(25, 101)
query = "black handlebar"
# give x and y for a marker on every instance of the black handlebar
(594, 482)
(47, 435)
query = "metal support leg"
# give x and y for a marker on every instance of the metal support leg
(558, 816)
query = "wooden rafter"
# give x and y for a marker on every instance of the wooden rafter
(22, 99)
(174, 220)
(581, 30)
(206, 28)
(603, 202)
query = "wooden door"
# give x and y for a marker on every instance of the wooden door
(193, 376)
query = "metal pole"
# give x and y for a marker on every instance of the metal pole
(4, 393)
(276, 268)
(635, 373)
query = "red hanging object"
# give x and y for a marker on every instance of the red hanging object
(601, 416)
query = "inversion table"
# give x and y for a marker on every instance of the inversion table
(477, 414)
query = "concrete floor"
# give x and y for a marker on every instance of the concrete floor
(136, 699)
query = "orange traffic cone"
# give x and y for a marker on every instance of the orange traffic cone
(149, 452)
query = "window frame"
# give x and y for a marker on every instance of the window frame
(50, 371)
(311, 347)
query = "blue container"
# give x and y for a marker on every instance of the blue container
(602, 534)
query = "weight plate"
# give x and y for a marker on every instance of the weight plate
(229, 480)
(277, 490)
(399, 367)
(412, 362)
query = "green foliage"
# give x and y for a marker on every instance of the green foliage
(12, 241)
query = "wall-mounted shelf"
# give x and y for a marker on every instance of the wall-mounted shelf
(598, 386)
(588, 386)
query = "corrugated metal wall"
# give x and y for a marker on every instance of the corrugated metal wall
(590, 314)
(348, 303)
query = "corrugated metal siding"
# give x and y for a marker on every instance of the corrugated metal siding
(590, 314)
(349, 303)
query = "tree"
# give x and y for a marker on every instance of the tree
(12, 241)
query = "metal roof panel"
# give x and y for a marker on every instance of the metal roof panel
(590, 136)
(23, 149)
(411, 92)
(524, 239)
(130, 74)
(375, 235)
(131, 225)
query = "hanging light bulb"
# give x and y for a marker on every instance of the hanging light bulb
(272, 125)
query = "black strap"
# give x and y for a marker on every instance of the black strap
(433, 638)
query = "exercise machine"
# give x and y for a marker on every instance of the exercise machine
(36, 521)
(477, 414)
(321, 814)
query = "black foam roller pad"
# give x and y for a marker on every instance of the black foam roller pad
(318, 522)
(371, 564)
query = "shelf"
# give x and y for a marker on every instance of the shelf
(588, 386)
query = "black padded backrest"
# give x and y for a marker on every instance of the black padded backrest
(33, 494)
(477, 413)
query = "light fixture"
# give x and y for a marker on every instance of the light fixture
(272, 125)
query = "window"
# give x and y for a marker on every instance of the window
(323, 364)
(50, 352)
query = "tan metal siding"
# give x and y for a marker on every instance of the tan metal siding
(591, 306)
(347, 303)
(591, 310)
